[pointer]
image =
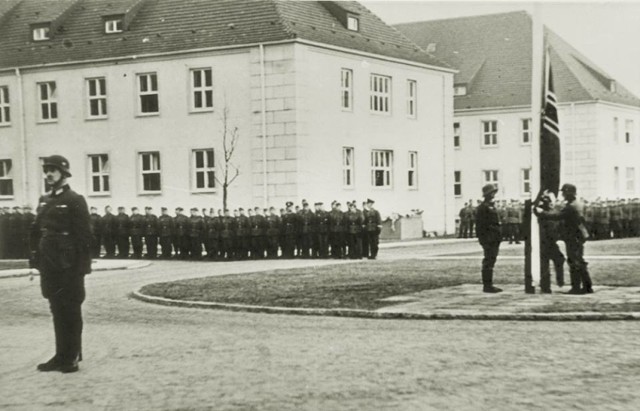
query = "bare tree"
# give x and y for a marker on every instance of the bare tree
(230, 172)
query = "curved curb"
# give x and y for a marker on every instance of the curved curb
(571, 316)
(24, 272)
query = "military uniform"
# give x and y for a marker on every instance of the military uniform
(151, 234)
(165, 232)
(305, 219)
(289, 233)
(272, 229)
(122, 234)
(211, 236)
(354, 222)
(60, 248)
(96, 228)
(373, 226)
(243, 237)
(181, 236)
(227, 237)
(337, 233)
(136, 230)
(196, 235)
(321, 230)
(488, 229)
(27, 221)
(258, 231)
(108, 234)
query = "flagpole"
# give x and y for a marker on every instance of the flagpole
(537, 75)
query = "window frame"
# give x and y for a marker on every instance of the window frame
(525, 181)
(484, 134)
(203, 90)
(412, 98)
(353, 19)
(97, 97)
(348, 168)
(142, 172)
(5, 107)
(140, 94)
(51, 101)
(616, 130)
(616, 180)
(346, 91)
(457, 135)
(630, 179)
(101, 174)
(457, 183)
(629, 125)
(412, 168)
(378, 157)
(495, 181)
(6, 174)
(111, 25)
(41, 32)
(525, 132)
(384, 97)
(205, 169)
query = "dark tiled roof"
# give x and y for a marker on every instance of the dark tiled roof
(170, 25)
(493, 56)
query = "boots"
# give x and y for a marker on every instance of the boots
(487, 281)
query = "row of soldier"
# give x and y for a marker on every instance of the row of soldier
(257, 233)
(15, 224)
(605, 219)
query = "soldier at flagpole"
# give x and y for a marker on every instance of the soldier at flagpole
(489, 235)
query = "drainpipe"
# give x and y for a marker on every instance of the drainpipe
(444, 155)
(573, 142)
(263, 102)
(23, 139)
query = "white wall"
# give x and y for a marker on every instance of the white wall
(10, 142)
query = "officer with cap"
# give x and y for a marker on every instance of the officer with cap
(165, 232)
(489, 236)
(305, 220)
(574, 234)
(373, 227)
(137, 224)
(321, 230)
(151, 233)
(289, 230)
(122, 233)
(272, 229)
(60, 250)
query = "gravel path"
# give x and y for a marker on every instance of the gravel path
(146, 357)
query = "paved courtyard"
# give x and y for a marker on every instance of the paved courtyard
(147, 357)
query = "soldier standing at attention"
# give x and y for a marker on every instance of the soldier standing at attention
(272, 224)
(107, 231)
(306, 219)
(122, 233)
(258, 231)
(373, 226)
(574, 235)
(354, 222)
(463, 222)
(196, 231)
(321, 229)
(60, 241)
(15, 228)
(95, 220)
(227, 229)
(489, 236)
(137, 224)
(151, 233)
(289, 231)
(336, 231)
(165, 230)
(181, 234)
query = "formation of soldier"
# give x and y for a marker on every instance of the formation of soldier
(607, 219)
(14, 232)
(238, 234)
(511, 215)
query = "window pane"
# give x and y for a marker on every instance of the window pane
(146, 162)
(92, 87)
(93, 107)
(211, 179)
(197, 99)
(143, 83)
(103, 106)
(197, 81)
(199, 179)
(54, 110)
(207, 78)
(95, 184)
(209, 98)
(199, 159)
(154, 82)
(105, 183)
(45, 111)
(6, 187)
(95, 164)
(103, 87)
(149, 103)
(210, 161)
(44, 92)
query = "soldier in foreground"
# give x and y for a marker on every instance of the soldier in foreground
(574, 234)
(489, 236)
(60, 250)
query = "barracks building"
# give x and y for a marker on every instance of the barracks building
(316, 100)
(599, 118)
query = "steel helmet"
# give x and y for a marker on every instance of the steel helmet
(58, 162)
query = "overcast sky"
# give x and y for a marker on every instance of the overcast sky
(606, 32)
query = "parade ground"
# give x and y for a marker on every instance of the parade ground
(146, 356)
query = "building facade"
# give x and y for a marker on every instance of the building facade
(599, 118)
(316, 100)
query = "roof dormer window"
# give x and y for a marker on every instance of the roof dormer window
(460, 90)
(113, 25)
(353, 23)
(613, 86)
(41, 33)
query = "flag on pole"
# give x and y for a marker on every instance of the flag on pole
(549, 135)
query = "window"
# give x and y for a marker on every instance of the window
(381, 168)
(201, 89)
(48, 99)
(113, 25)
(99, 169)
(616, 130)
(150, 172)
(346, 89)
(456, 135)
(616, 180)
(353, 23)
(457, 183)
(628, 132)
(97, 97)
(525, 177)
(412, 173)
(6, 179)
(412, 91)
(525, 130)
(347, 167)
(204, 171)
(5, 113)
(148, 89)
(489, 133)
(40, 33)
(459, 91)
(631, 179)
(380, 100)
(490, 177)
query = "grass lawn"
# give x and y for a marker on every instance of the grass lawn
(13, 264)
(362, 285)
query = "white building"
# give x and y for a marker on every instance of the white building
(328, 103)
(599, 118)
